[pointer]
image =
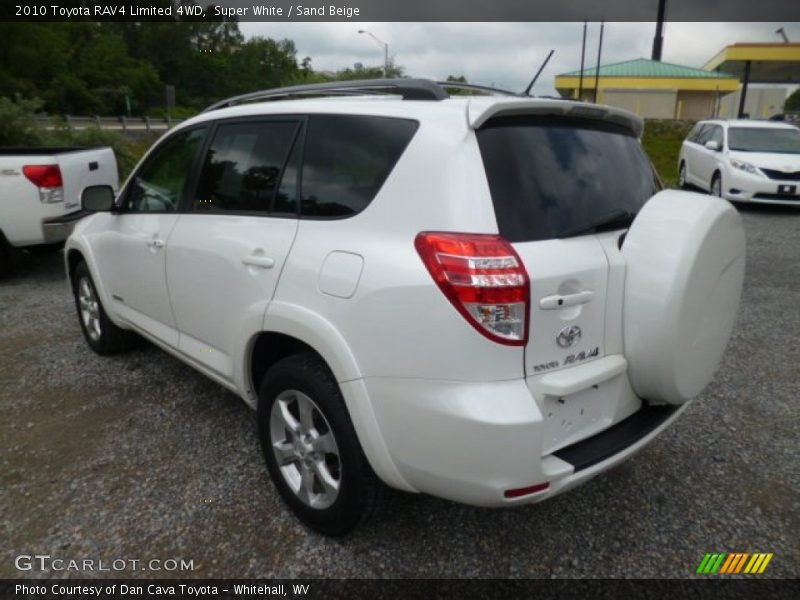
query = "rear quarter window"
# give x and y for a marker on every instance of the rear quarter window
(347, 158)
(550, 174)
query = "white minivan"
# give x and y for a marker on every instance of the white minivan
(743, 161)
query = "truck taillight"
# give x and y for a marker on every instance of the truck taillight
(49, 181)
(484, 278)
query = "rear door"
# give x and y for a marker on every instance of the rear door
(226, 253)
(555, 183)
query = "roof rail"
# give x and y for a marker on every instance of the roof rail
(409, 89)
(460, 85)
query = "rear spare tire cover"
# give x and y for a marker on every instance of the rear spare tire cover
(685, 256)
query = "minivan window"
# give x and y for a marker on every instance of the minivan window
(550, 175)
(243, 166)
(698, 129)
(704, 134)
(716, 135)
(764, 139)
(346, 160)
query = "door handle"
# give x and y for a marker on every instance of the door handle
(259, 260)
(155, 243)
(561, 301)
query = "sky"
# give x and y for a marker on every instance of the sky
(507, 55)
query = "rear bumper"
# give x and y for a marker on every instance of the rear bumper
(472, 442)
(57, 229)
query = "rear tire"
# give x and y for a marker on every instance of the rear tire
(311, 449)
(100, 333)
(682, 176)
(5, 261)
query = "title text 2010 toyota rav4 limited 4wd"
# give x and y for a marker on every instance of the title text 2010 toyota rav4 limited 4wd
(488, 299)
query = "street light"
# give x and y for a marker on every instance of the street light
(385, 47)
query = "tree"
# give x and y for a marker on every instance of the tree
(793, 102)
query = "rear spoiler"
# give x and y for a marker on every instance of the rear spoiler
(480, 111)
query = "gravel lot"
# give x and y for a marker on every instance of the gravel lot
(139, 457)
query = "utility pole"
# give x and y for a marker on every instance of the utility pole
(597, 70)
(583, 57)
(385, 51)
(658, 40)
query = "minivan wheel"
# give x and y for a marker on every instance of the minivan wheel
(311, 449)
(682, 176)
(716, 185)
(99, 331)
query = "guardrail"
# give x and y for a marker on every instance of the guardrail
(114, 123)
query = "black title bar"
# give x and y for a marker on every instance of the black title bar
(398, 10)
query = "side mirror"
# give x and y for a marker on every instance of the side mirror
(713, 145)
(98, 198)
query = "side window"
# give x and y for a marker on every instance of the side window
(242, 170)
(703, 134)
(692, 137)
(159, 184)
(716, 135)
(346, 160)
(286, 198)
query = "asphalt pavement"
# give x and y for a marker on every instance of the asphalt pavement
(138, 457)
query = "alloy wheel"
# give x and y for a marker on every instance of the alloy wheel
(90, 309)
(305, 449)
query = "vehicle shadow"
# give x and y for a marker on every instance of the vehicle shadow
(41, 265)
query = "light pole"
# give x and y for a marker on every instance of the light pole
(385, 47)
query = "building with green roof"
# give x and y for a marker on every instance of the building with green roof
(651, 88)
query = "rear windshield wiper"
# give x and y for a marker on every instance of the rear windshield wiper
(616, 219)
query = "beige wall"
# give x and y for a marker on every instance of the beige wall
(650, 104)
(696, 105)
(760, 103)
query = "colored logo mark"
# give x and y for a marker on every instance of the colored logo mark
(735, 562)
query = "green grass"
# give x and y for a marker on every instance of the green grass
(662, 142)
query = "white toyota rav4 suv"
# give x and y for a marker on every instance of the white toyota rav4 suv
(743, 161)
(487, 299)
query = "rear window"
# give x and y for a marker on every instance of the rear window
(548, 175)
(347, 159)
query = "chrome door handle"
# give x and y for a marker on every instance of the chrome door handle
(258, 260)
(155, 243)
(558, 301)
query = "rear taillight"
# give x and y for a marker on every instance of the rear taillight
(48, 179)
(484, 278)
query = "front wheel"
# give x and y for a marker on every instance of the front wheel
(716, 185)
(99, 331)
(682, 176)
(311, 449)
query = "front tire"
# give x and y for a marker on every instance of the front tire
(682, 176)
(311, 449)
(100, 333)
(716, 185)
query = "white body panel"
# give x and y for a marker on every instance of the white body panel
(130, 252)
(220, 289)
(437, 407)
(22, 213)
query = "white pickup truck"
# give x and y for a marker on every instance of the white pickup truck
(40, 190)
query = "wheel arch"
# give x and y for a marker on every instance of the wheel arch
(296, 329)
